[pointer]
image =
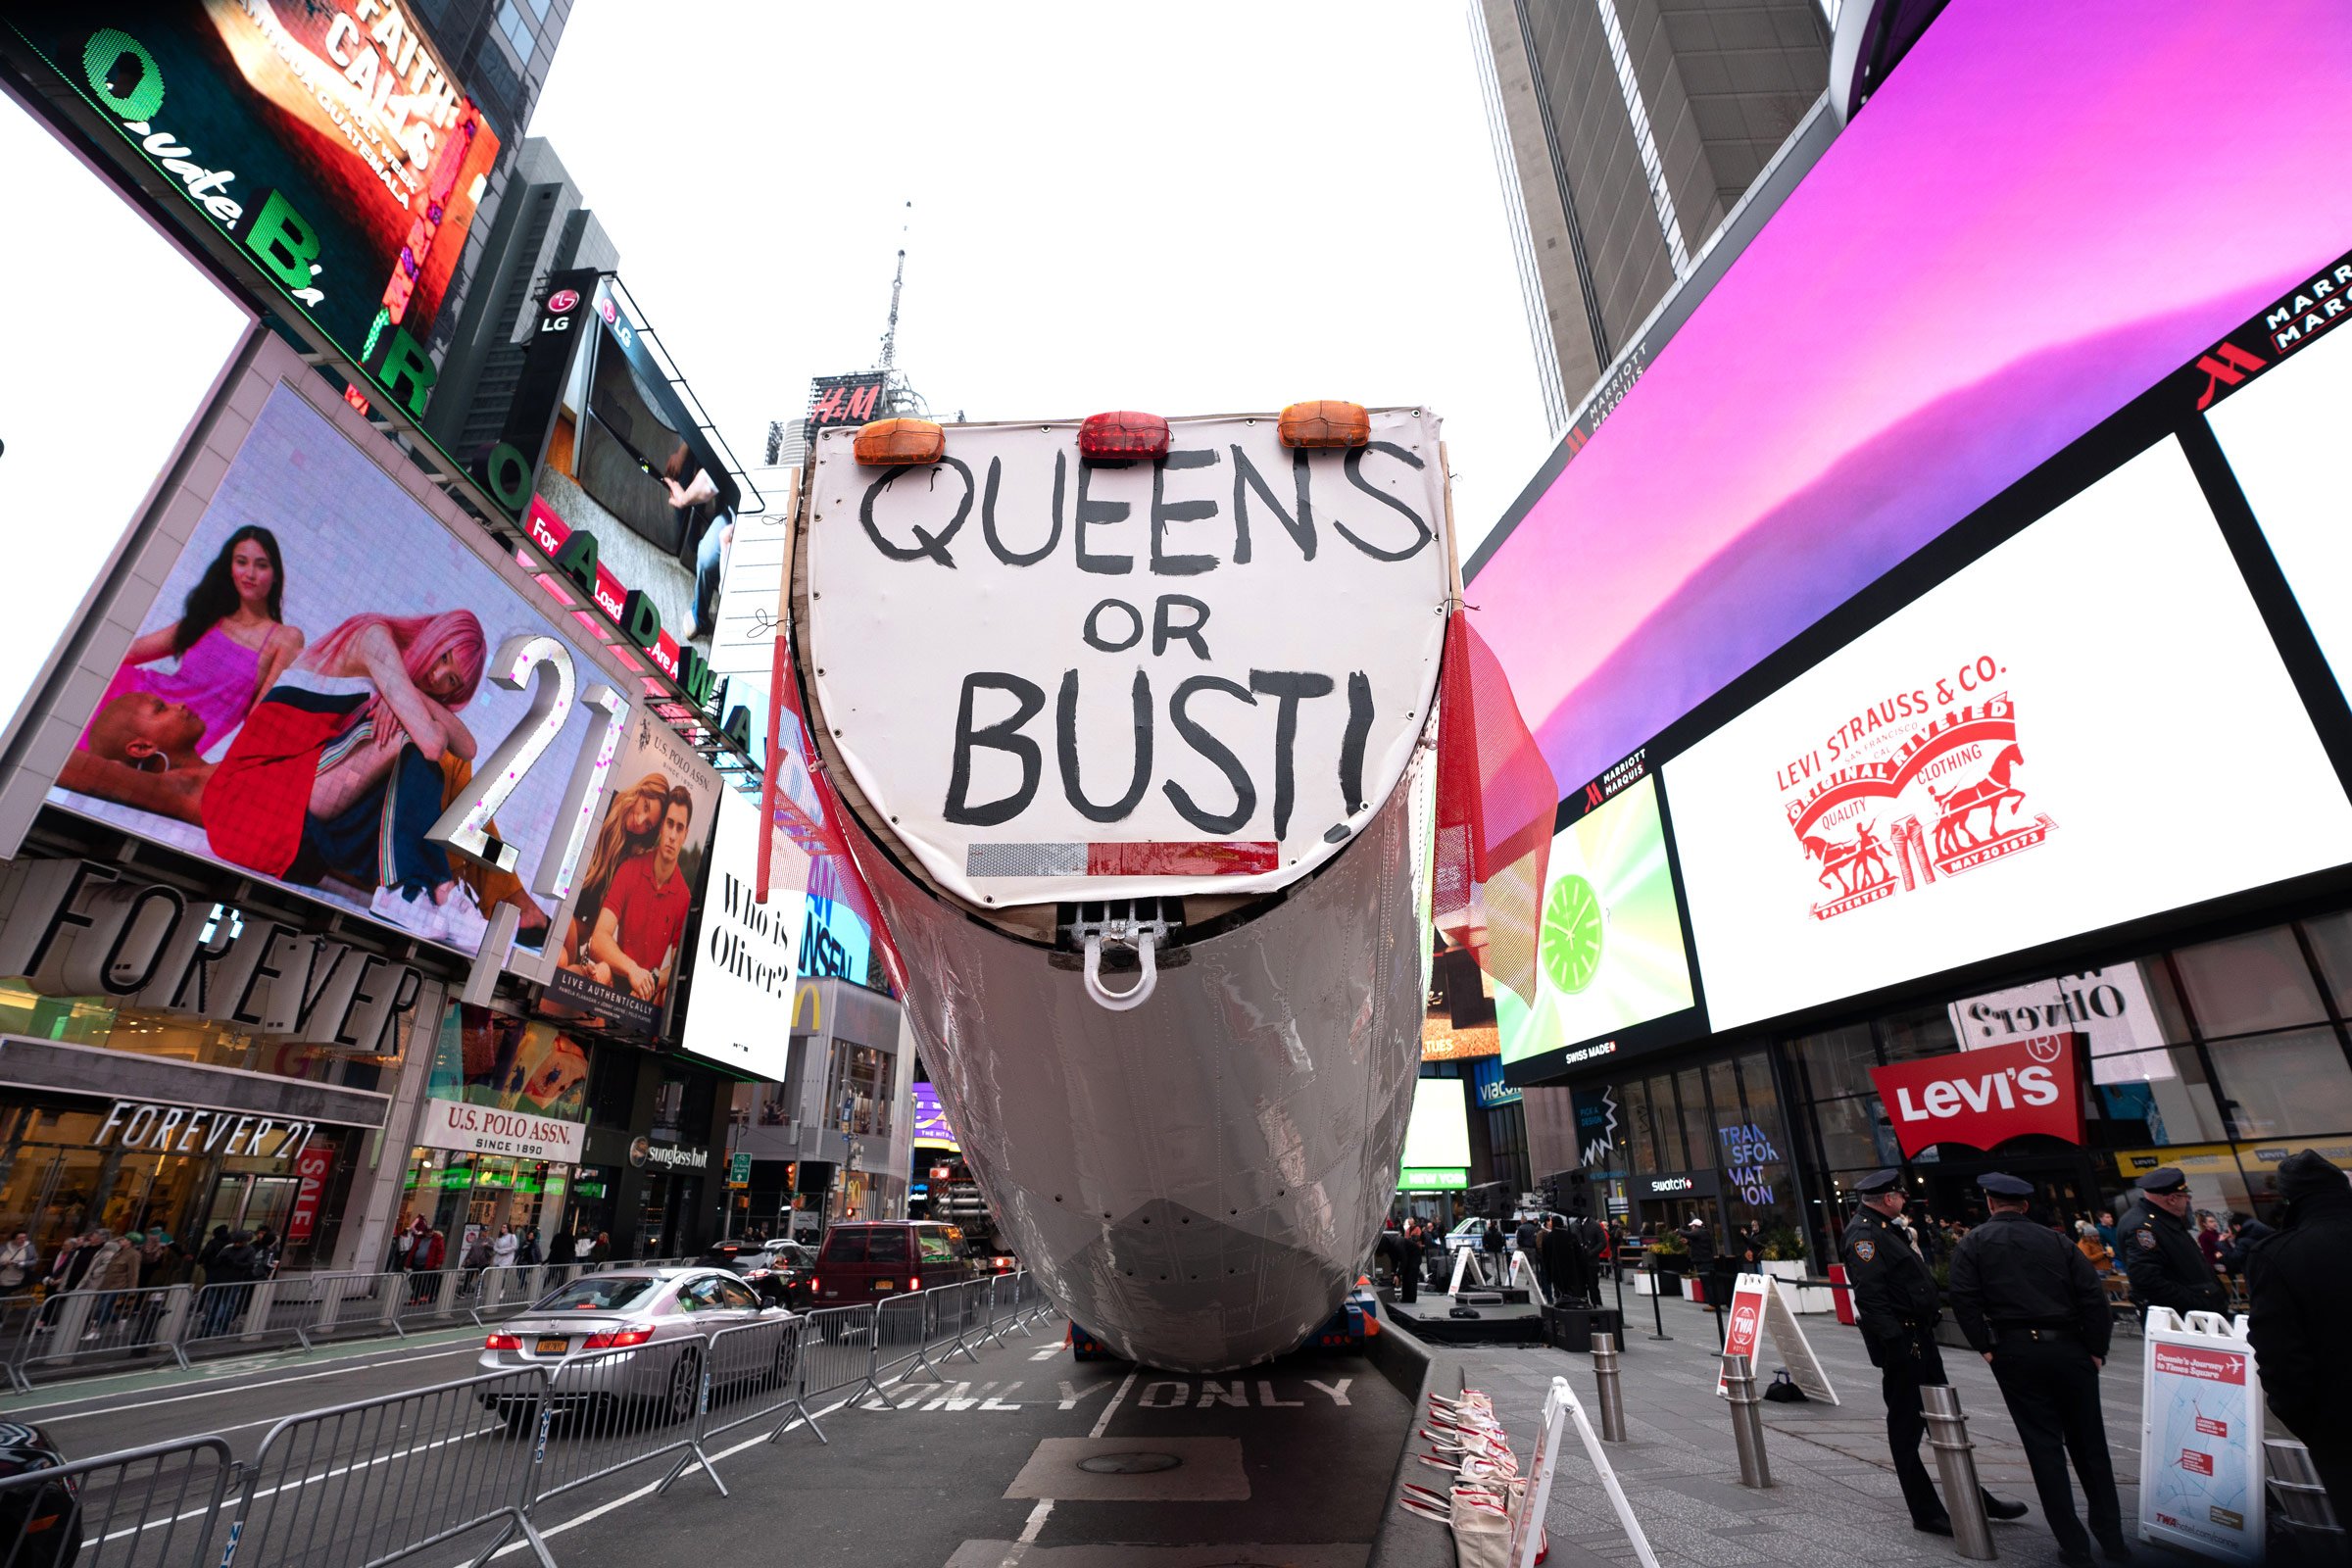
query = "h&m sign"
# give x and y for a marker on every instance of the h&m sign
(76, 928)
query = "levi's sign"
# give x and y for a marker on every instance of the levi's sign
(1059, 679)
(1984, 1098)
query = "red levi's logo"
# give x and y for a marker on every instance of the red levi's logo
(1982, 1097)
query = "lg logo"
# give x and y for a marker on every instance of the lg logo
(563, 300)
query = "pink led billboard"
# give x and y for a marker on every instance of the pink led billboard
(2045, 209)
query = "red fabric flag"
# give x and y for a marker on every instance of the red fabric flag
(1495, 803)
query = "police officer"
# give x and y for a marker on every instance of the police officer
(2161, 1256)
(2033, 1307)
(1895, 1300)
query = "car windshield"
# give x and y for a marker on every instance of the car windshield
(601, 1293)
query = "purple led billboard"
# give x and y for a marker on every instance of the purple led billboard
(2045, 209)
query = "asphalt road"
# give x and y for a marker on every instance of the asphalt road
(1021, 1455)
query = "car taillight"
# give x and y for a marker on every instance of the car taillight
(617, 1339)
(503, 1341)
(914, 1281)
(813, 1282)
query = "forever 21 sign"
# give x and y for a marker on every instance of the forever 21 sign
(1199, 673)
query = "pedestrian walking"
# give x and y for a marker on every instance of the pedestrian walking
(2299, 1282)
(1896, 1305)
(1530, 1241)
(504, 1250)
(2033, 1307)
(1408, 1261)
(20, 1263)
(2166, 1265)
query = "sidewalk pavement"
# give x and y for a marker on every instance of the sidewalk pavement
(1835, 1498)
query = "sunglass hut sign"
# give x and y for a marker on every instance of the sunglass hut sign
(1201, 671)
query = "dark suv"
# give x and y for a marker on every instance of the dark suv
(864, 1260)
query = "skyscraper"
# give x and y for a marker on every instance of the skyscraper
(1628, 131)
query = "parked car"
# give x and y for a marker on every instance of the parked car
(866, 1260)
(658, 1315)
(40, 1523)
(778, 1270)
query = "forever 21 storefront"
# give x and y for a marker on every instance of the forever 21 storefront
(2029, 848)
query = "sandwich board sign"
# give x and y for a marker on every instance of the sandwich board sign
(2201, 1437)
(1759, 1308)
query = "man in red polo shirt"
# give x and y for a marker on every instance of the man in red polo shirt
(644, 917)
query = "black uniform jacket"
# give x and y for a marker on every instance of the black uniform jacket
(2166, 1266)
(1894, 1290)
(2299, 1282)
(2010, 1272)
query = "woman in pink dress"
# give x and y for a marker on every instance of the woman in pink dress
(231, 640)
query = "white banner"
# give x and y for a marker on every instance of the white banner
(744, 975)
(751, 597)
(2201, 1437)
(1058, 680)
(487, 1130)
(2108, 1007)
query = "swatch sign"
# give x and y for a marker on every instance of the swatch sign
(1985, 1098)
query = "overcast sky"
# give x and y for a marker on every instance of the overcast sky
(1199, 209)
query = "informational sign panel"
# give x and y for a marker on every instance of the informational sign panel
(312, 1168)
(2201, 1485)
(1200, 674)
(745, 973)
(1609, 944)
(154, 365)
(1437, 1137)
(313, 684)
(1986, 769)
(2277, 434)
(1759, 1308)
(328, 139)
(2108, 1008)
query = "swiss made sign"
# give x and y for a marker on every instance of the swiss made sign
(1059, 680)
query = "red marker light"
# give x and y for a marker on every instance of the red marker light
(1121, 435)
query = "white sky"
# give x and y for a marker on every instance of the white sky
(1196, 209)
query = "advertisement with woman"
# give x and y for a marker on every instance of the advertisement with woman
(307, 695)
(624, 930)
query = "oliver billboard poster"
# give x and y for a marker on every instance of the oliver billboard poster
(1114, 693)
(312, 688)
(328, 139)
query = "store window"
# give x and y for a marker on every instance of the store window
(612, 1086)
(1836, 1061)
(2331, 943)
(1853, 1136)
(1925, 1032)
(2242, 983)
(2286, 1085)
(859, 1096)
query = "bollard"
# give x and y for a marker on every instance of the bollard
(1956, 1468)
(1747, 1420)
(1607, 1378)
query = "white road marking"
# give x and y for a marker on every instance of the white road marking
(1036, 1524)
(1048, 1353)
(1103, 1425)
(1265, 1397)
(1070, 1396)
(1338, 1390)
(468, 1349)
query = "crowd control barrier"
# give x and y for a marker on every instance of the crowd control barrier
(72, 1326)
(367, 1484)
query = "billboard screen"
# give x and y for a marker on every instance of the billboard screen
(327, 138)
(748, 963)
(931, 1129)
(2283, 436)
(1436, 1138)
(502, 1086)
(310, 689)
(1609, 940)
(2012, 758)
(116, 389)
(623, 929)
(1945, 302)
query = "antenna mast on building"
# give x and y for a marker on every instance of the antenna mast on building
(890, 334)
(898, 395)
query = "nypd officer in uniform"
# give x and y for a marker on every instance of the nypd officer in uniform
(1895, 1300)
(2160, 1254)
(2032, 1306)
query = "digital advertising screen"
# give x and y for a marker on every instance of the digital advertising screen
(1609, 935)
(327, 138)
(2283, 436)
(1945, 302)
(311, 689)
(2007, 761)
(116, 392)
(1436, 1138)
(931, 1129)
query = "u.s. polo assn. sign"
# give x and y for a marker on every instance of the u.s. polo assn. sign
(1064, 679)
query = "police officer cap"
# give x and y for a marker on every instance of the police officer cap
(2005, 1186)
(2164, 1179)
(1877, 1181)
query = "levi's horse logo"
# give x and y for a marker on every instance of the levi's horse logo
(1916, 802)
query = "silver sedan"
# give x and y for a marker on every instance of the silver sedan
(634, 1338)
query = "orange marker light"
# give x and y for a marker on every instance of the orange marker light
(1325, 423)
(899, 443)
(1123, 434)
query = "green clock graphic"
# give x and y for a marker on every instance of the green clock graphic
(1571, 941)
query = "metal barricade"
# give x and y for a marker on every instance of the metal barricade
(752, 1373)
(157, 1506)
(429, 1296)
(359, 1484)
(73, 1326)
(904, 1331)
(353, 1305)
(16, 1314)
(838, 1349)
(996, 1317)
(610, 1409)
(244, 1315)
(962, 1309)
